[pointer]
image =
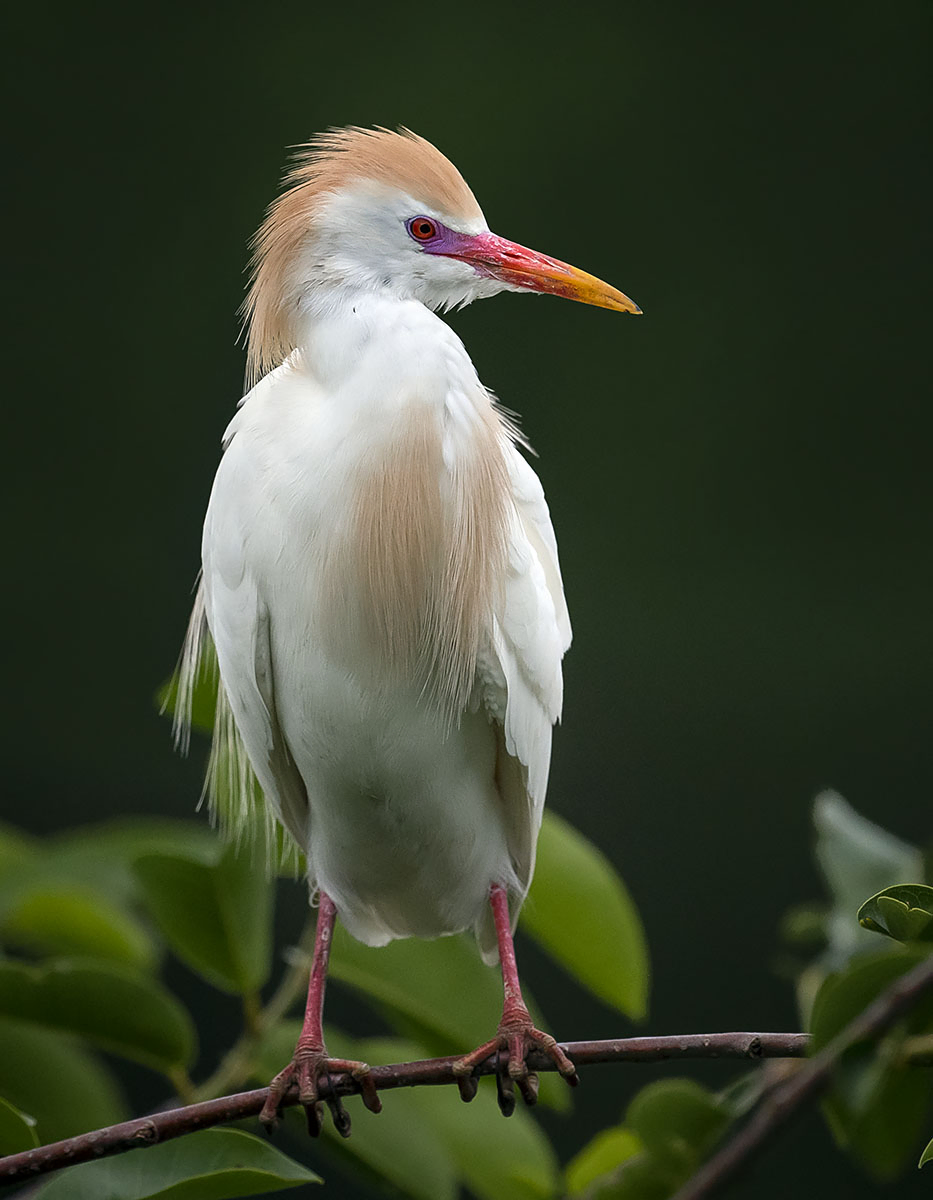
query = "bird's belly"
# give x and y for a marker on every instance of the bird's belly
(405, 832)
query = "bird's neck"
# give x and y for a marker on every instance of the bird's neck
(343, 330)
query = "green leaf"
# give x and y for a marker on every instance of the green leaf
(53, 918)
(927, 1155)
(17, 1131)
(579, 910)
(678, 1121)
(95, 863)
(858, 859)
(74, 895)
(395, 1146)
(495, 1158)
(876, 1105)
(217, 917)
(103, 855)
(116, 1008)
(60, 1083)
(670, 1127)
(878, 1113)
(607, 1151)
(215, 1164)
(442, 987)
(903, 912)
(641, 1177)
(848, 992)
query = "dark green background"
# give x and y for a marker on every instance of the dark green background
(739, 479)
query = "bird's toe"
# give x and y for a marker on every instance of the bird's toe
(528, 1086)
(505, 1092)
(278, 1088)
(306, 1073)
(340, 1115)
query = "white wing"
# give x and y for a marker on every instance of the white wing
(522, 688)
(231, 618)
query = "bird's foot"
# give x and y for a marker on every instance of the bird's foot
(517, 1036)
(305, 1072)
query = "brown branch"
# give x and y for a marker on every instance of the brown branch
(159, 1127)
(788, 1097)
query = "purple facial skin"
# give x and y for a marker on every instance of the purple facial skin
(498, 258)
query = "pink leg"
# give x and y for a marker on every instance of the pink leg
(516, 1033)
(310, 1062)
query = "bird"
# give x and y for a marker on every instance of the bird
(380, 591)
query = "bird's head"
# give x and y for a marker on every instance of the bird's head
(373, 211)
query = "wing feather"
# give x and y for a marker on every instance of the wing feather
(252, 782)
(521, 683)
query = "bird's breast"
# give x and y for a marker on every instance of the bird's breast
(385, 505)
(420, 551)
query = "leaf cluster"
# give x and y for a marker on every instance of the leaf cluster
(879, 1100)
(88, 921)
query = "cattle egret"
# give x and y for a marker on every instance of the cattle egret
(380, 579)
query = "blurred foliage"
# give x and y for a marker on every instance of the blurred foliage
(88, 918)
(878, 1104)
(879, 1101)
(215, 914)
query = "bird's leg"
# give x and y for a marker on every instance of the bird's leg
(311, 1063)
(516, 1034)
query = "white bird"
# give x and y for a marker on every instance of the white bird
(380, 577)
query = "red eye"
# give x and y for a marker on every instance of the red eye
(422, 229)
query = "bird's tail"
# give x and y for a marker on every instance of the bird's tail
(234, 798)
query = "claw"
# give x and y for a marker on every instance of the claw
(314, 1115)
(566, 1068)
(505, 1090)
(341, 1117)
(468, 1085)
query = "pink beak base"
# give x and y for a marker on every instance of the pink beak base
(520, 267)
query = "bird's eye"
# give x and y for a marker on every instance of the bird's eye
(422, 229)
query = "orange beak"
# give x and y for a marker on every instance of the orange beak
(520, 267)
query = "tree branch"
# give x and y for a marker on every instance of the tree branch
(159, 1127)
(788, 1097)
